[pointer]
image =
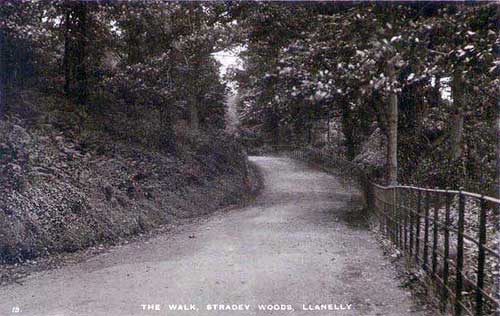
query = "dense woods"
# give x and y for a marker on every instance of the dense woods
(418, 79)
(112, 121)
(149, 64)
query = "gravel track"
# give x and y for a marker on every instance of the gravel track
(293, 247)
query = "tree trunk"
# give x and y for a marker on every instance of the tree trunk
(498, 149)
(309, 133)
(392, 130)
(3, 99)
(348, 130)
(194, 116)
(194, 120)
(436, 92)
(132, 38)
(81, 71)
(67, 54)
(497, 277)
(380, 111)
(168, 120)
(328, 136)
(457, 128)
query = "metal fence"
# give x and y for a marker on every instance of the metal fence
(451, 235)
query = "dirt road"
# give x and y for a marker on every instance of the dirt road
(291, 249)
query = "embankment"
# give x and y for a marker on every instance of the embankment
(58, 194)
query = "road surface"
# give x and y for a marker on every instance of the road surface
(291, 250)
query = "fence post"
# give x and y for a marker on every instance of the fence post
(417, 233)
(426, 232)
(446, 267)
(395, 217)
(400, 219)
(435, 236)
(460, 255)
(386, 214)
(405, 222)
(380, 210)
(412, 220)
(481, 258)
(370, 197)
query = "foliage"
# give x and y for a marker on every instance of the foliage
(335, 67)
(150, 63)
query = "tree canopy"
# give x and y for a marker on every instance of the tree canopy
(349, 62)
(423, 76)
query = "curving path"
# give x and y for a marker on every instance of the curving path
(292, 247)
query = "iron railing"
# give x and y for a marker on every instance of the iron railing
(451, 235)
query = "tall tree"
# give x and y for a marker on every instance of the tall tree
(3, 97)
(392, 127)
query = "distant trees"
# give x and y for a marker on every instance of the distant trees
(141, 67)
(380, 66)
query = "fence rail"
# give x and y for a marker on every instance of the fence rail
(451, 235)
